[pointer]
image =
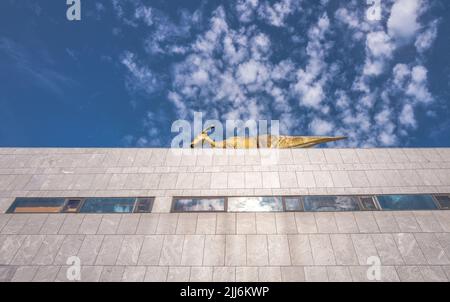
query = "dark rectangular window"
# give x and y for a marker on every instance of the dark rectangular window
(108, 205)
(443, 201)
(199, 204)
(37, 205)
(330, 203)
(255, 204)
(143, 205)
(72, 205)
(368, 203)
(406, 202)
(394, 202)
(81, 205)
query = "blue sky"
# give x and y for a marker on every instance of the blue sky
(128, 69)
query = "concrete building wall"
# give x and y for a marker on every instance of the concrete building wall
(163, 173)
(163, 246)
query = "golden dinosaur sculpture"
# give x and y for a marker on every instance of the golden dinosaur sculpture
(264, 141)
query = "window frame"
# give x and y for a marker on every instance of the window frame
(132, 211)
(225, 198)
(358, 203)
(433, 198)
(283, 205)
(302, 205)
(80, 206)
(283, 202)
(175, 198)
(10, 211)
(375, 202)
(152, 202)
(438, 204)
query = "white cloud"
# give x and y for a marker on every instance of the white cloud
(283, 70)
(373, 68)
(153, 135)
(176, 100)
(402, 23)
(425, 39)
(280, 100)
(407, 116)
(387, 138)
(412, 82)
(239, 83)
(321, 127)
(233, 69)
(311, 93)
(235, 50)
(251, 71)
(419, 74)
(342, 100)
(246, 10)
(417, 88)
(379, 49)
(140, 77)
(199, 77)
(145, 14)
(118, 8)
(402, 26)
(260, 46)
(354, 18)
(384, 111)
(276, 13)
(383, 116)
(311, 80)
(164, 32)
(348, 17)
(401, 73)
(379, 44)
(229, 89)
(209, 40)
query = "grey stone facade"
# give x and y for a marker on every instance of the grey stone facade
(163, 246)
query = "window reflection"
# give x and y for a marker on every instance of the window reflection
(368, 203)
(444, 201)
(108, 205)
(406, 202)
(36, 205)
(143, 205)
(72, 206)
(293, 203)
(255, 204)
(199, 204)
(330, 203)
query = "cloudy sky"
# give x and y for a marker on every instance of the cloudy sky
(129, 68)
